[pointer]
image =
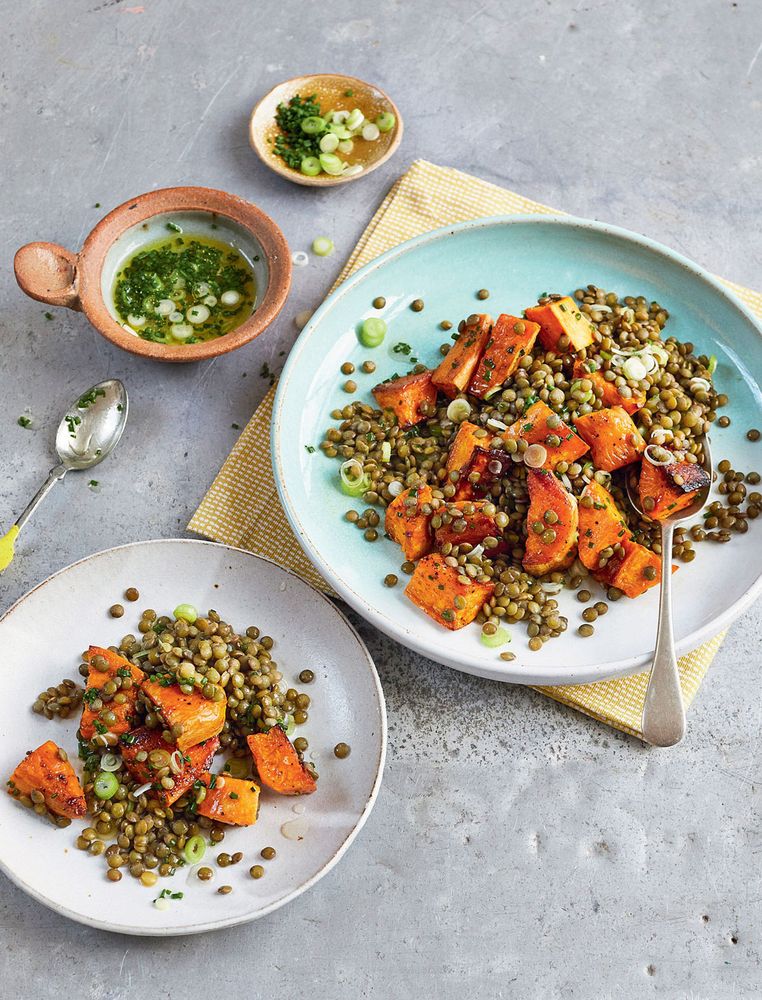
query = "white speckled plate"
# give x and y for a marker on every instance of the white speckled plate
(42, 637)
(515, 257)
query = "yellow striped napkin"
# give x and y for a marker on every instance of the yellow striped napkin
(242, 506)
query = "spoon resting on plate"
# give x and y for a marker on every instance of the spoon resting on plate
(88, 432)
(663, 721)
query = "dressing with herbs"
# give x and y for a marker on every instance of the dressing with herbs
(184, 289)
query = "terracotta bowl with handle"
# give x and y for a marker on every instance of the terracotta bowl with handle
(84, 281)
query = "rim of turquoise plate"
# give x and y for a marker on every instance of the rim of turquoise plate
(539, 675)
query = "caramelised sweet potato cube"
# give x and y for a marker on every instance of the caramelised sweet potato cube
(407, 521)
(457, 368)
(534, 428)
(440, 591)
(467, 524)
(233, 801)
(667, 489)
(606, 391)
(601, 525)
(105, 665)
(561, 317)
(487, 467)
(613, 437)
(194, 762)
(511, 338)
(406, 395)
(191, 717)
(635, 572)
(278, 764)
(552, 523)
(468, 438)
(45, 776)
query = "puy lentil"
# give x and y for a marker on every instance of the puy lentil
(379, 302)
(132, 594)
(256, 871)
(116, 610)
(342, 750)
(268, 853)
(417, 305)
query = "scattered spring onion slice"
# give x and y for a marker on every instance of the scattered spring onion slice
(354, 481)
(657, 455)
(310, 166)
(137, 792)
(346, 146)
(352, 170)
(499, 638)
(496, 425)
(700, 383)
(300, 259)
(110, 762)
(331, 163)
(105, 785)
(176, 761)
(635, 369)
(197, 314)
(535, 456)
(459, 410)
(329, 143)
(161, 903)
(372, 331)
(322, 246)
(371, 132)
(186, 612)
(355, 119)
(290, 725)
(395, 487)
(386, 121)
(194, 850)
(165, 307)
(386, 451)
(712, 366)
(230, 298)
(313, 125)
(181, 331)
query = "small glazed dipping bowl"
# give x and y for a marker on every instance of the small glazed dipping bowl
(331, 90)
(84, 281)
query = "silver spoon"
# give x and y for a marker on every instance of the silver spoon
(663, 721)
(89, 431)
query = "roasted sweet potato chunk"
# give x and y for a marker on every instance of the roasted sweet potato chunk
(613, 437)
(405, 396)
(511, 338)
(434, 587)
(467, 524)
(552, 523)
(667, 489)
(533, 428)
(234, 801)
(487, 467)
(601, 525)
(558, 318)
(45, 772)
(407, 521)
(278, 764)
(192, 717)
(195, 762)
(118, 670)
(633, 573)
(469, 437)
(457, 368)
(606, 391)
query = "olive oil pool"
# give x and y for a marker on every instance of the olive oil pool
(184, 289)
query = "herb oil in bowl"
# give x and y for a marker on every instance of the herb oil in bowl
(184, 288)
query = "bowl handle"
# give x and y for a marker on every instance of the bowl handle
(48, 273)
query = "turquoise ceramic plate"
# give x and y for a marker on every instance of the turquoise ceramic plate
(516, 258)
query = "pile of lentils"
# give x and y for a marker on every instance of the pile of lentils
(681, 405)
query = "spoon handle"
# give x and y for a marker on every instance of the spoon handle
(663, 722)
(56, 473)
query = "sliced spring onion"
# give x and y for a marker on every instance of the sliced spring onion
(340, 131)
(210, 300)
(499, 638)
(331, 163)
(165, 307)
(105, 785)
(355, 119)
(110, 762)
(712, 366)
(346, 146)
(197, 314)
(161, 903)
(300, 259)
(339, 117)
(176, 316)
(137, 792)
(395, 487)
(386, 121)
(372, 331)
(202, 289)
(176, 762)
(354, 480)
(322, 246)
(352, 169)
(136, 321)
(633, 368)
(386, 451)
(459, 410)
(552, 588)
(290, 724)
(310, 166)
(186, 613)
(181, 331)
(535, 456)
(313, 125)
(371, 132)
(230, 298)
(700, 383)
(329, 143)
(657, 455)
(194, 850)
(496, 425)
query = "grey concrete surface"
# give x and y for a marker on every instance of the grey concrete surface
(516, 849)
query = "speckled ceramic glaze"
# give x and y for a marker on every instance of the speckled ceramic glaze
(330, 89)
(517, 258)
(84, 281)
(308, 631)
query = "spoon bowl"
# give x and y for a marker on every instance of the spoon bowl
(93, 425)
(663, 722)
